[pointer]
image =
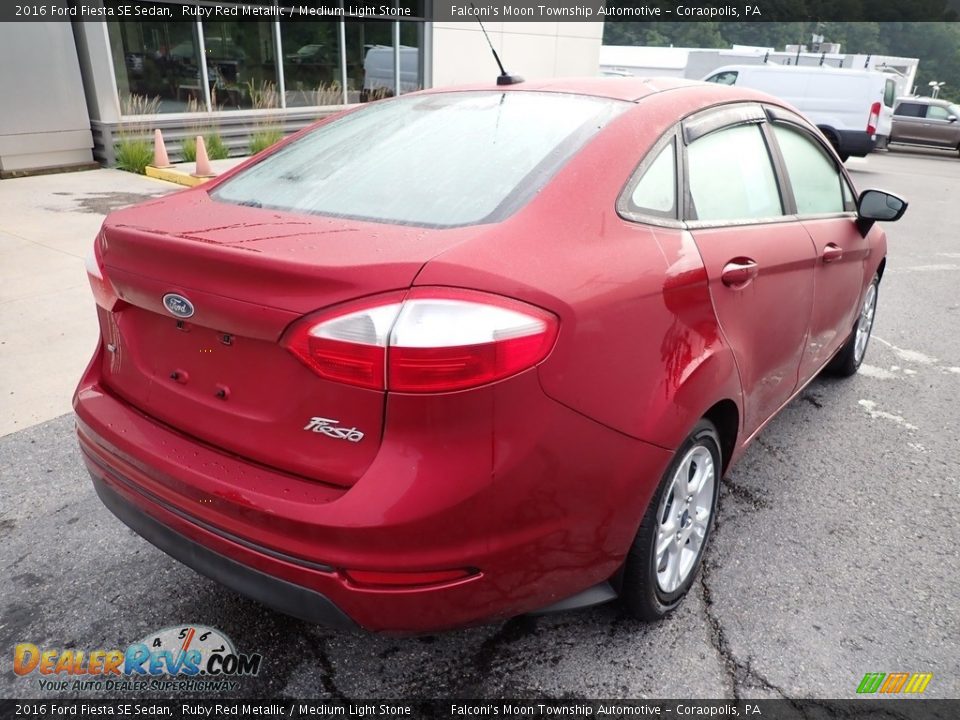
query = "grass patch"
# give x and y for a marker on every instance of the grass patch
(262, 139)
(134, 154)
(134, 148)
(204, 124)
(266, 130)
(216, 148)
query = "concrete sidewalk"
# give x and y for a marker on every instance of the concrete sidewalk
(48, 326)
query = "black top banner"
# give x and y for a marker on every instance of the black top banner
(456, 709)
(483, 10)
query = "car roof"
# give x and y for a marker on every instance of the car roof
(630, 89)
(821, 69)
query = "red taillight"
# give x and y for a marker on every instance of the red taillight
(874, 118)
(350, 344)
(431, 340)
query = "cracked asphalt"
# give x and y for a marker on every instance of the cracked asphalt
(835, 552)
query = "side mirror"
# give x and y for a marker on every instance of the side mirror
(951, 118)
(876, 205)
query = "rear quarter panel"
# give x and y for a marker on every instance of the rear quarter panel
(639, 349)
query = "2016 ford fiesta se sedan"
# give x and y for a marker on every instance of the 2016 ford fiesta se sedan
(466, 354)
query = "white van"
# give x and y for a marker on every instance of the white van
(378, 77)
(853, 108)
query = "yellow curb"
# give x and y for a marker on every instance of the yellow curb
(174, 176)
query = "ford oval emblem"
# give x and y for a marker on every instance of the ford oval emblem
(178, 305)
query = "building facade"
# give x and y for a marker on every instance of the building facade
(112, 78)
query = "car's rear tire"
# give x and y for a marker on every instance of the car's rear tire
(846, 362)
(668, 549)
(835, 141)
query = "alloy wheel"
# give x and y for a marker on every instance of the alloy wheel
(865, 324)
(684, 517)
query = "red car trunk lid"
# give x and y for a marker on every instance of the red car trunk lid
(221, 374)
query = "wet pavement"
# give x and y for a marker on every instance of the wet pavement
(835, 552)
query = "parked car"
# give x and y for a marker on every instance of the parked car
(467, 354)
(852, 108)
(313, 54)
(926, 121)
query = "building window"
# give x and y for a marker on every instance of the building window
(369, 60)
(231, 65)
(241, 64)
(311, 62)
(411, 53)
(157, 62)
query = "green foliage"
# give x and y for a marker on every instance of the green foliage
(264, 138)
(134, 146)
(203, 124)
(216, 148)
(134, 154)
(188, 149)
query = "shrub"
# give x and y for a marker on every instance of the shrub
(134, 154)
(216, 148)
(203, 123)
(264, 138)
(266, 131)
(325, 94)
(188, 149)
(134, 143)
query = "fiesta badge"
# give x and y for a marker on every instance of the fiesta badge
(178, 305)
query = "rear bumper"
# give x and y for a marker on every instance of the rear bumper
(538, 512)
(281, 595)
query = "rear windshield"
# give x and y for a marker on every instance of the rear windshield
(440, 160)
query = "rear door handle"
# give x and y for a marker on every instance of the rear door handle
(831, 252)
(739, 271)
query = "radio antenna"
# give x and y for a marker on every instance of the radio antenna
(504, 78)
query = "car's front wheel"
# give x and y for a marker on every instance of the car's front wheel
(848, 360)
(667, 551)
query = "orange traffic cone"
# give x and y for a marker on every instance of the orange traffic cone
(160, 159)
(203, 162)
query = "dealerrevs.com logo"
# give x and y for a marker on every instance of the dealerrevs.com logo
(185, 658)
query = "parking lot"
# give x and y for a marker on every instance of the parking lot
(835, 553)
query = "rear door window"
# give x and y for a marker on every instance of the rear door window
(434, 160)
(731, 176)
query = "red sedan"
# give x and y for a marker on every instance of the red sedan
(466, 354)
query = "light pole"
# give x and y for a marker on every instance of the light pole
(935, 87)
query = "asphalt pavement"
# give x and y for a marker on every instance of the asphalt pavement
(835, 553)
